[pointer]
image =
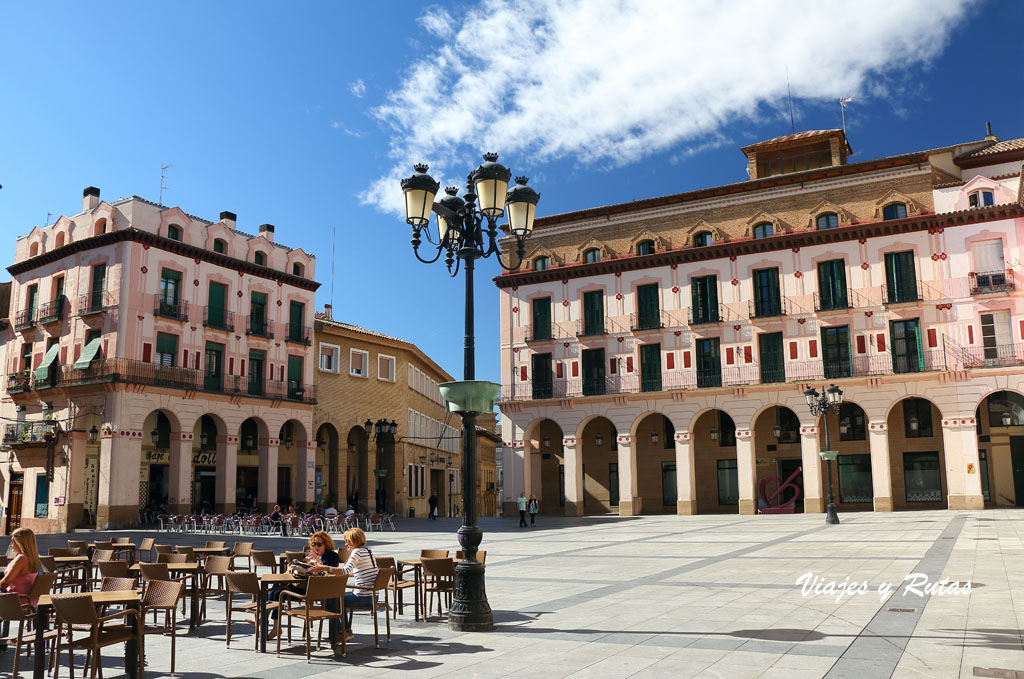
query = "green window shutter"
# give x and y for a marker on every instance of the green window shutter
(541, 309)
(99, 284)
(541, 365)
(60, 289)
(170, 286)
(166, 348)
(593, 312)
(259, 298)
(909, 275)
(295, 369)
(916, 330)
(33, 295)
(215, 311)
(218, 245)
(704, 299)
(296, 310)
(647, 303)
(772, 363)
(650, 367)
(832, 284)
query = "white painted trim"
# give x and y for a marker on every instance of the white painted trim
(336, 350)
(394, 364)
(365, 374)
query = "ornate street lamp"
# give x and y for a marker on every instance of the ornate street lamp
(830, 400)
(155, 435)
(467, 230)
(94, 434)
(1007, 419)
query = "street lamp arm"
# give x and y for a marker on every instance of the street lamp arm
(416, 247)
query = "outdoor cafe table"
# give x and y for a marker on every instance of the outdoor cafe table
(82, 562)
(417, 570)
(119, 547)
(186, 569)
(129, 599)
(203, 552)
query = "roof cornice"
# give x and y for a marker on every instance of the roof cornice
(159, 242)
(1007, 156)
(929, 221)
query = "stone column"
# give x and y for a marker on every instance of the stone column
(881, 478)
(72, 477)
(573, 477)
(227, 474)
(810, 459)
(514, 467)
(305, 476)
(120, 458)
(630, 503)
(268, 474)
(963, 470)
(686, 475)
(746, 471)
(179, 487)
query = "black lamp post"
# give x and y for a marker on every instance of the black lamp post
(467, 231)
(830, 400)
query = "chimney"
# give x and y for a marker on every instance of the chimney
(90, 198)
(327, 312)
(229, 219)
(267, 231)
(988, 133)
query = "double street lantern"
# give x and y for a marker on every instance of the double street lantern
(829, 400)
(467, 230)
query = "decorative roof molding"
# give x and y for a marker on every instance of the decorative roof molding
(660, 242)
(761, 217)
(717, 235)
(894, 196)
(590, 244)
(845, 217)
(543, 251)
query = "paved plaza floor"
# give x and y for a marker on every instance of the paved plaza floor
(671, 596)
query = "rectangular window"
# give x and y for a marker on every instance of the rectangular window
(296, 318)
(704, 299)
(668, 484)
(358, 363)
(258, 314)
(216, 306)
(851, 423)
(917, 418)
(33, 301)
(832, 285)
(214, 367)
(385, 368)
(907, 352)
(166, 348)
(922, 477)
(647, 308)
(988, 260)
(296, 385)
(650, 367)
(542, 383)
(99, 284)
(997, 339)
(593, 372)
(256, 372)
(170, 292)
(835, 343)
(855, 478)
(767, 296)
(330, 358)
(613, 484)
(541, 310)
(773, 367)
(709, 363)
(728, 483)
(900, 277)
(42, 497)
(593, 312)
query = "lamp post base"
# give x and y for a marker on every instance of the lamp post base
(831, 515)
(470, 611)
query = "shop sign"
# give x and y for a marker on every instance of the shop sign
(157, 456)
(202, 457)
(205, 458)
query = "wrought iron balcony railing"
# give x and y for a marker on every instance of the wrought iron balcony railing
(994, 356)
(165, 308)
(259, 327)
(991, 281)
(94, 303)
(54, 311)
(218, 318)
(26, 318)
(300, 334)
(653, 319)
(706, 315)
(770, 308)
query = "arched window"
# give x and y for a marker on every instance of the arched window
(296, 269)
(828, 220)
(60, 239)
(645, 247)
(764, 230)
(702, 239)
(174, 232)
(33, 250)
(220, 245)
(540, 264)
(101, 227)
(259, 258)
(894, 211)
(592, 255)
(981, 198)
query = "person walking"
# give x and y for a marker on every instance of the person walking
(533, 508)
(432, 501)
(522, 502)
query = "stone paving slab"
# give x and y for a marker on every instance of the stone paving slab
(671, 596)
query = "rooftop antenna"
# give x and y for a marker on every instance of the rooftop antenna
(48, 215)
(163, 178)
(842, 107)
(792, 123)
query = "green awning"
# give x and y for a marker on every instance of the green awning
(92, 349)
(43, 371)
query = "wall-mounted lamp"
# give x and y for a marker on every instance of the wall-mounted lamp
(423, 459)
(844, 427)
(154, 435)
(1007, 419)
(250, 442)
(546, 442)
(654, 436)
(598, 439)
(914, 424)
(777, 432)
(713, 433)
(321, 444)
(287, 441)
(94, 434)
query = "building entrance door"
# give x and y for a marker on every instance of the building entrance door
(786, 469)
(1017, 460)
(668, 484)
(284, 486)
(15, 492)
(204, 491)
(159, 483)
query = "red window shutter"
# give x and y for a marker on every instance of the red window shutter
(880, 341)
(231, 365)
(575, 369)
(730, 355)
(242, 370)
(63, 355)
(281, 372)
(78, 349)
(970, 334)
(105, 347)
(629, 364)
(686, 359)
(670, 360)
(748, 355)
(1022, 329)
(612, 363)
(861, 344)
(933, 340)
(522, 373)
(147, 352)
(793, 351)
(814, 348)
(558, 369)
(196, 364)
(36, 360)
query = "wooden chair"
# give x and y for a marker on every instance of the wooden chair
(219, 544)
(323, 589)
(242, 550)
(190, 555)
(384, 577)
(113, 569)
(81, 545)
(397, 584)
(439, 578)
(433, 553)
(481, 555)
(163, 549)
(120, 541)
(265, 558)
(293, 556)
(242, 583)
(78, 609)
(172, 558)
(104, 544)
(12, 611)
(158, 572)
(161, 595)
(115, 584)
(147, 546)
(214, 567)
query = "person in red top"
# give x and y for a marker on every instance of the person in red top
(21, 573)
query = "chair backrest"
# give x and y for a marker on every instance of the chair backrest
(147, 544)
(164, 549)
(481, 555)
(80, 545)
(154, 571)
(242, 549)
(326, 587)
(217, 565)
(187, 551)
(344, 553)
(120, 541)
(433, 553)
(171, 558)
(115, 584)
(75, 609)
(4, 559)
(384, 576)
(385, 562)
(163, 594)
(219, 544)
(291, 556)
(49, 564)
(264, 557)
(243, 582)
(42, 585)
(102, 555)
(439, 568)
(10, 607)
(63, 551)
(113, 569)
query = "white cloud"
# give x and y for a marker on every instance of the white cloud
(609, 82)
(358, 88)
(336, 124)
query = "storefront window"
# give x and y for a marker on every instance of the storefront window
(42, 496)
(728, 483)
(855, 478)
(983, 470)
(922, 477)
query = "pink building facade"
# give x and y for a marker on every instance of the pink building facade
(173, 354)
(655, 354)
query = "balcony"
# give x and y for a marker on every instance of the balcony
(234, 385)
(52, 312)
(992, 281)
(19, 382)
(537, 333)
(832, 302)
(996, 356)
(299, 334)
(219, 319)
(653, 319)
(706, 315)
(259, 327)
(770, 308)
(94, 303)
(592, 329)
(20, 433)
(900, 294)
(24, 319)
(177, 311)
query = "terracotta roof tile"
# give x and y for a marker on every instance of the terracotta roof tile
(998, 147)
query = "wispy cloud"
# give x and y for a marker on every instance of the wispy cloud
(336, 125)
(358, 88)
(611, 81)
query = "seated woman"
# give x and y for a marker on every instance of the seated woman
(362, 566)
(21, 573)
(321, 555)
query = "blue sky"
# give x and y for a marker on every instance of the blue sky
(304, 114)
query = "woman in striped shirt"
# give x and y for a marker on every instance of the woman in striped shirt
(361, 566)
